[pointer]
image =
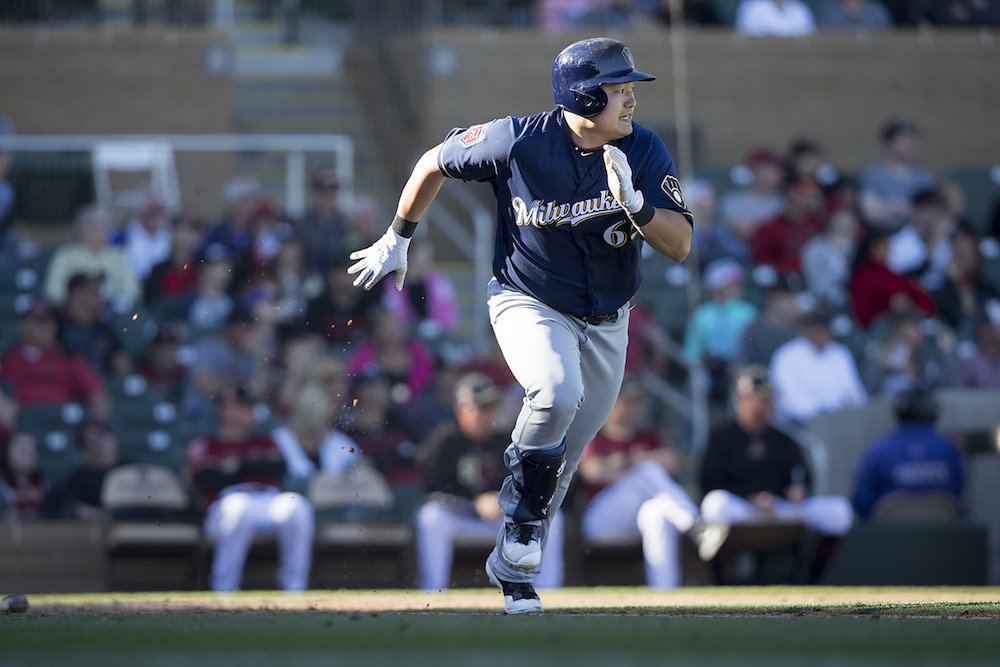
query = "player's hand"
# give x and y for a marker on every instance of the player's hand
(381, 258)
(620, 179)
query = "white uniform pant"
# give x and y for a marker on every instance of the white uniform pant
(829, 515)
(235, 517)
(648, 503)
(571, 373)
(437, 528)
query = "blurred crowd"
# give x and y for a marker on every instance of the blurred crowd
(238, 353)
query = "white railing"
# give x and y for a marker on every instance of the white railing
(294, 146)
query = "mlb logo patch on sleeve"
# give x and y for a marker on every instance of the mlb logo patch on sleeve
(672, 188)
(474, 135)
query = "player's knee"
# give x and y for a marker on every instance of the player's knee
(714, 503)
(292, 508)
(652, 515)
(559, 399)
(431, 516)
(233, 512)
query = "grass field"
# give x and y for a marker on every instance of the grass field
(743, 627)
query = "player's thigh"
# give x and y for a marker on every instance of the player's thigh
(612, 512)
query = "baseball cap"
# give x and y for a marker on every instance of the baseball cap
(81, 280)
(753, 379)
(477, 389)
(723, 273)
(763, 155)
(39, 309)
(896, 126)
(815, 317)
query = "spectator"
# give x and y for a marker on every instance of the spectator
(779, 241)
(389, 351)
(435, 406)
(960, 298)
(774, 18)
(922, 247)
(712, 240)
(804, 159)
(93, 254)
(462, 464)
(752, 470)
(176, 277)
(242, 198)
(311, 440)
(322, 228)
(886, 188)
(914, 458)
(340, 313)
(371, 422)
(279, 295)
(812, 374)
(647, 343)
(964, 13)
(84, 331)
(854, 15)
(222, 361)
(744, 210)
(627, 475)
(876, 289)
(237, 476)
(827, 256)
(773, 328)
(22, 487)
(161, 366)
(981, 370)
(903, 360)
(427, 304)
(80, 495)
(40, 373)
(210, 304)
(146, 237)
(716, 327)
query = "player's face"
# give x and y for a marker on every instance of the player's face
(615, 120)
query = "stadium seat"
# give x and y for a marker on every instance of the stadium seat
(54, 428)
(916, 506)
(146, 424)
(152, 540)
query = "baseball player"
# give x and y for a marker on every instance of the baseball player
(578, 189)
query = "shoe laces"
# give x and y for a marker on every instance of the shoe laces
(518, 590)
(526, 533)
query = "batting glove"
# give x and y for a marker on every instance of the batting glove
(381, 258)
(620, 180)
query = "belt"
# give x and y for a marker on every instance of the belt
(609, 318)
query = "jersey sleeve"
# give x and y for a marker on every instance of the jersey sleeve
(478, 152)
(657, 180)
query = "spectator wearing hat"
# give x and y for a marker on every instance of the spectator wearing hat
(752, 470)
(40, 373)
(211, 303)
(827, 256)
(812, 373)
(462, 464)
(340, 313)
(913, 458)
(778, 242)
(774, 18)
(743, 211)
(867, 15)
(716, 327)
(238, 476)
(242, 198)
(160, 365)
(176, 277)
(93, 254)
(886, 188)
(627, 480)
(876, 289)
(80, 495)
(146, 237)
(84, 330)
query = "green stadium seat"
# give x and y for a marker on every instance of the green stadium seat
(981, 186)
(54, 428)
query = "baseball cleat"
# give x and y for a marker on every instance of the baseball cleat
(518, 597)
(709, 537)
(522, 546)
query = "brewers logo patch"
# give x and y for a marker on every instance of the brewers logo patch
(672, 187)
(474, 135)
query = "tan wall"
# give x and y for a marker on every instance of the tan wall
(82, 81)
(833, 88)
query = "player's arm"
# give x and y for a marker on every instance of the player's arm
(667, 231)
(388, 254)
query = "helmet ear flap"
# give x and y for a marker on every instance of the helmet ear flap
(591, 101)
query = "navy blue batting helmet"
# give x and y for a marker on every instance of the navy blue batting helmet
(581, 68)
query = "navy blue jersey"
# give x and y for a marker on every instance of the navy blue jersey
(561, 236)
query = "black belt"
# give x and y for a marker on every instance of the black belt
(609, 318)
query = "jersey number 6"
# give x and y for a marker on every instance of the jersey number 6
(615, 236)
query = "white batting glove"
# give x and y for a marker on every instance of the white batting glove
(381, 258)
(620, 180)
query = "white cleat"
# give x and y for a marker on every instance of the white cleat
(518, 597)
(521, 546)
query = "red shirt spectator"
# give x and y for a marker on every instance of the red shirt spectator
(40, 373)
(779, 242)
(602, 445)
(876, 289)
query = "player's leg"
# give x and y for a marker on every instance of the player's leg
(829, 515)
(437, 527)
(290, 517)
(660, 543)
(552, 573)
(720, 506)
(230, 523)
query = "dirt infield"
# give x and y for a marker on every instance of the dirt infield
(983, 603)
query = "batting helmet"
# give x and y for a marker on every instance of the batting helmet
(581, 68)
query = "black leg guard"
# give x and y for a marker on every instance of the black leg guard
(540, 470)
